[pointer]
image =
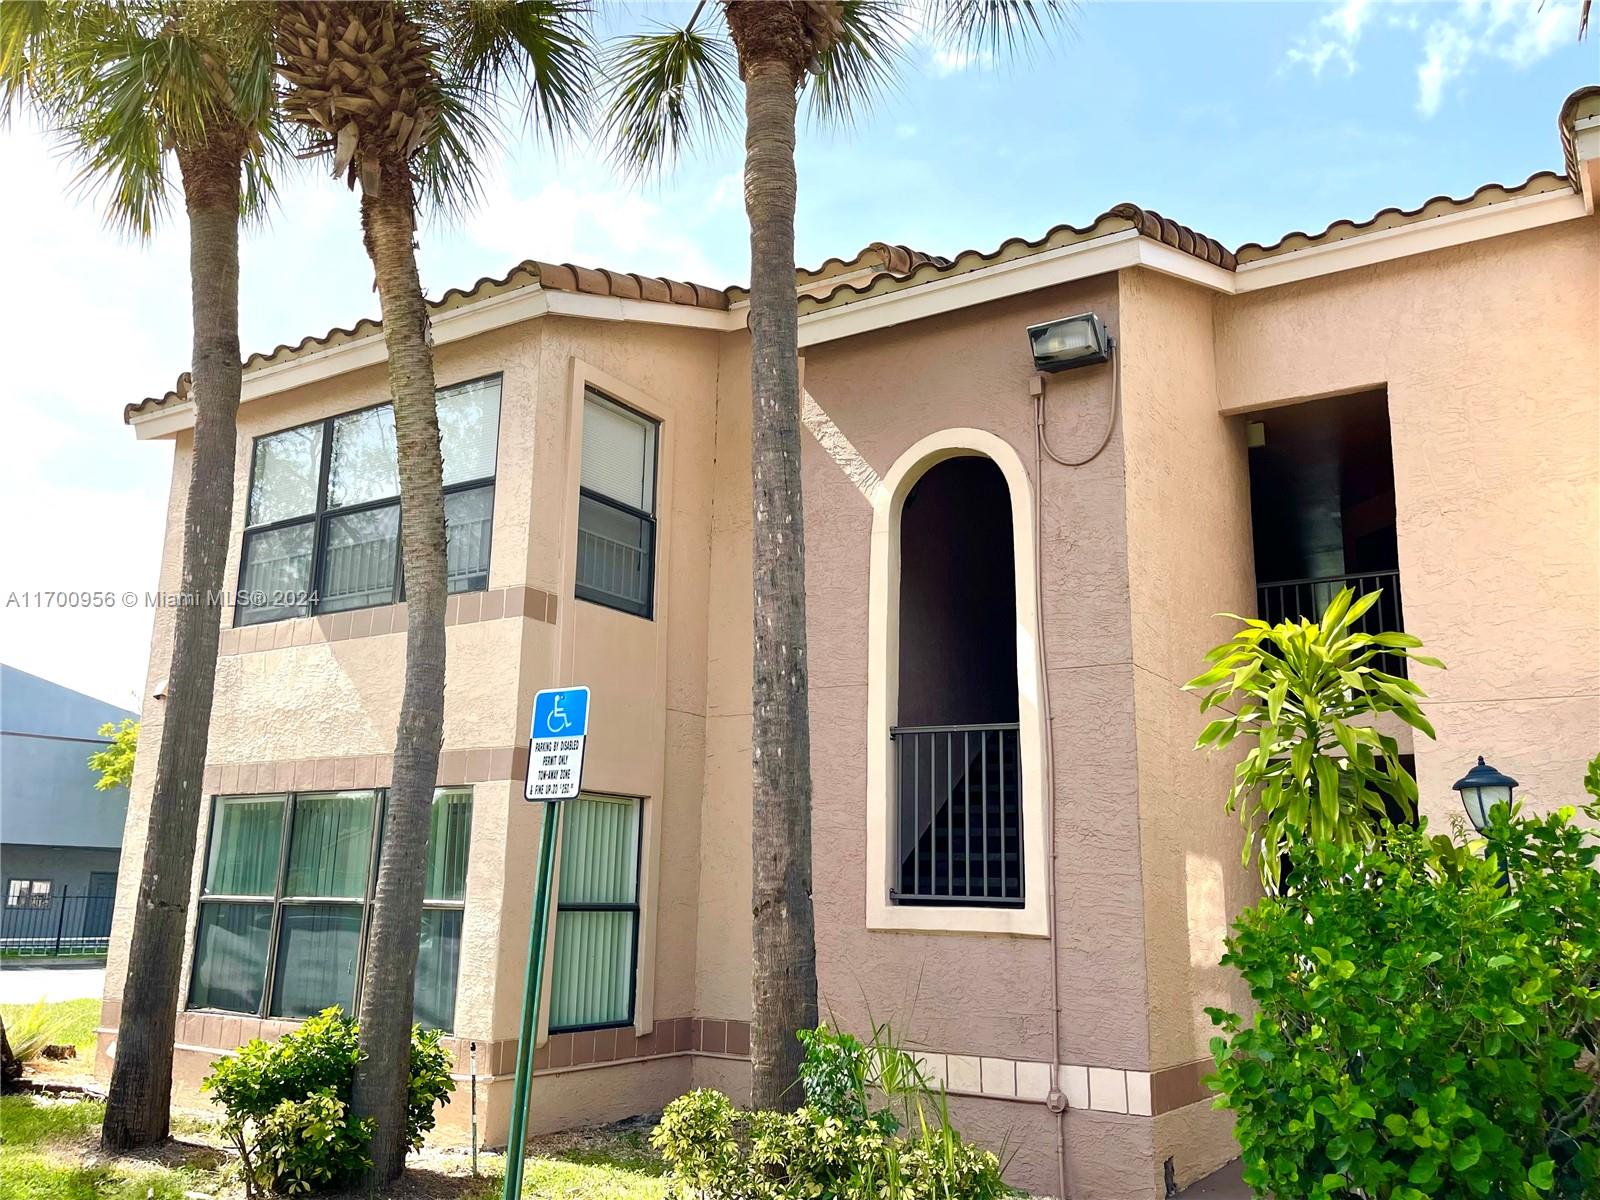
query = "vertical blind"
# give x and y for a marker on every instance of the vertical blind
(597, 914)
(318, 904)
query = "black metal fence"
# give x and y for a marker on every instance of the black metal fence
(1291, 599)
(59, 924)
(959, 826)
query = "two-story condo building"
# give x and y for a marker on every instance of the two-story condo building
(1019, 858)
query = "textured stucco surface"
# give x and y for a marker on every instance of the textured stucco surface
(1189, 557)
(1491, 360)
(1492, 369)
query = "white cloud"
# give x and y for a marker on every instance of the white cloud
(1333, 38)
(1451, 39)
(951, 60)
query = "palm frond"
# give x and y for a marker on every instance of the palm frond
(999, 29)
(666, 89)
(537, 52)
(448, 167)
(864, 61)
(27, 28)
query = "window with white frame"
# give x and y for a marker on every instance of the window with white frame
(28, 893)
(322, 526)
(286, 896)
(597, 915)
(617, 507)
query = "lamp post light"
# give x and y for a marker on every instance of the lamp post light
(1482, 788)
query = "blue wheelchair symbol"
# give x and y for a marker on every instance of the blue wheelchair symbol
(561, 712)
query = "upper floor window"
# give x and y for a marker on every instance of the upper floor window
(617, 507)
(322, 528)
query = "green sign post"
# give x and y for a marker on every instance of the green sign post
(556, 739)
(516, 1144)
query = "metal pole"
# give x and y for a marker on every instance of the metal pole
(472, 1060)
(516, 1143)
(61, 919)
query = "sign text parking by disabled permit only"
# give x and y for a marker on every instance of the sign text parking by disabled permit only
(555, 744)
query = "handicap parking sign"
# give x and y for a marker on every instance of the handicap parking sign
(556, 739)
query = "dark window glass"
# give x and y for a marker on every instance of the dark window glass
(230, 957)
(467, 519)
(319, 951)
(616, 507)
(313, 906)
(359, 552)
(323, 520)
(276, 580)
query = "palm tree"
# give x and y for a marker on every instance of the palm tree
(667, 87)
(130, 88)
(403, 98)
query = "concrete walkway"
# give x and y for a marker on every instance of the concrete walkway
(27, 984)
(1226, 1184)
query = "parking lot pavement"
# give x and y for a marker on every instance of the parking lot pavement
(25, 984)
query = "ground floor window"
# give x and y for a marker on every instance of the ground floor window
(597, 915)
(287, 895)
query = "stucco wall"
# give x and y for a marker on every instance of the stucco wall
(972, 994)
(1189, 558)
(335, 699)
(1491, 360)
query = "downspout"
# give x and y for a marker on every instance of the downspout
(1056, 1100)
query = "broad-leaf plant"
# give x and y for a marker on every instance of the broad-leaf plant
(1305, 696)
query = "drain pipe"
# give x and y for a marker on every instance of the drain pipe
(1056, 1100)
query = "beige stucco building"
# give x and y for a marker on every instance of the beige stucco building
(1019, 860)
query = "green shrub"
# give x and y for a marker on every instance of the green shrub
(839, 1146)
(1421, 1032)
(287, 1104)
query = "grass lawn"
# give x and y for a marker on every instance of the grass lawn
(50, 1152)
(72, 1022)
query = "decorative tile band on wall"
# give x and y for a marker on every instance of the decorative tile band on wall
(222, 1032)
(481, 764)
(463, 608)
(1098, 1089)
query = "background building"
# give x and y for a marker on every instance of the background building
(60, 839)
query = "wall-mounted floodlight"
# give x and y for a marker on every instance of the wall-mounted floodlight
(1070, 342)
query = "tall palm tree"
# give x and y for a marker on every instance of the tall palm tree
(667, 87)
(403, 98)
(132, 88)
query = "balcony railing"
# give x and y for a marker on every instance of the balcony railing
(958, 831)
(1291, 599)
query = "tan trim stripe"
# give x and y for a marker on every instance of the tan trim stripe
(463, 608)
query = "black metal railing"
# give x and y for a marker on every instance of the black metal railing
(55, 925)
(959, 826)
(1291, 599)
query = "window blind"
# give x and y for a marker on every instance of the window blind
(619, 453)
(597, 914)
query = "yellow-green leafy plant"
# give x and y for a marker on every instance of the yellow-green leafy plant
(1306, 698)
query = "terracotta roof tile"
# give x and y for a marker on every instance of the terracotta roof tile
(1389, 218)
(887, 267)
(1585, 102)
(555, 277)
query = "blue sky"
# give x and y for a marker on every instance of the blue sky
(1244, 121)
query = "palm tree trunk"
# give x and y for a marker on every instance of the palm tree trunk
(388, 219)
(784, 983)
(141, 1076)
